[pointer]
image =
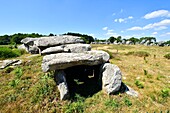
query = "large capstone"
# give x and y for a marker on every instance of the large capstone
(29, 41)
(111, 78)
(57, 40)
(65, 60)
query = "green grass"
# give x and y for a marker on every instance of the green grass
(6, 52)
(167, 56)
(138, 53)
(27, 89)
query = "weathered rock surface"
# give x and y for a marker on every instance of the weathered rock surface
(111, 78)
(51, 50)
(57, 40)
(65, 60)
(5, 63)
(29, 41)
(33, 49)
(77, 48)
(25, 47)
(62, 84)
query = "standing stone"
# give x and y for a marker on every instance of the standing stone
(62, 84)
(111, 78)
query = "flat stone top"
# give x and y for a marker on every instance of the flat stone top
(65, 60)
(57, 40)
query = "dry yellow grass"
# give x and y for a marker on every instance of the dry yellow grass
(153, 72)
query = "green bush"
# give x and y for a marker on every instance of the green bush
(8, 53)
(139, 53)
(167, 56)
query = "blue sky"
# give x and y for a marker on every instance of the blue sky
(99, 18)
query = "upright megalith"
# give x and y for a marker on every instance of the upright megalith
(62, 84)
(111, 77)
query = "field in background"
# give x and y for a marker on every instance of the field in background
(144, 68)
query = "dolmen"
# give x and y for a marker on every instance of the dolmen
(63, 52)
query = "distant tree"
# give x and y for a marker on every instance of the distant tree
(16, 38)
(88, 39)
(51, 34)
(112, 39)
(134, 40)
(119, 39)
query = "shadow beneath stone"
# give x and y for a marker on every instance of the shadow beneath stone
(126, 89)
(83, 80)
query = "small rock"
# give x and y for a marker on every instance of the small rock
(5, 63)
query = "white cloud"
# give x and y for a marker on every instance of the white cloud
(165, 34)
(130, 17)
(135, 28)
(158, 13)
(154, 33)
(105, 28)
(120, 20)
(116, 20)
(111, 33)
(160, 28)
(159, 25)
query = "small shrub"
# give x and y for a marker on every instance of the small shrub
(138, 53)
(18, 73)
(127, 102)
(165, 92)
(23, 51)
(14, 83)
(145, 72)
(8, 53)
(139, 84)
(167, 56)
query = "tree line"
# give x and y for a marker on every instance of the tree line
(16, 38)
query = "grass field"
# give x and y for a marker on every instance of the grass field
(144, 68)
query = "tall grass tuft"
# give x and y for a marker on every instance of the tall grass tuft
(138, 53)
(167, 56)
